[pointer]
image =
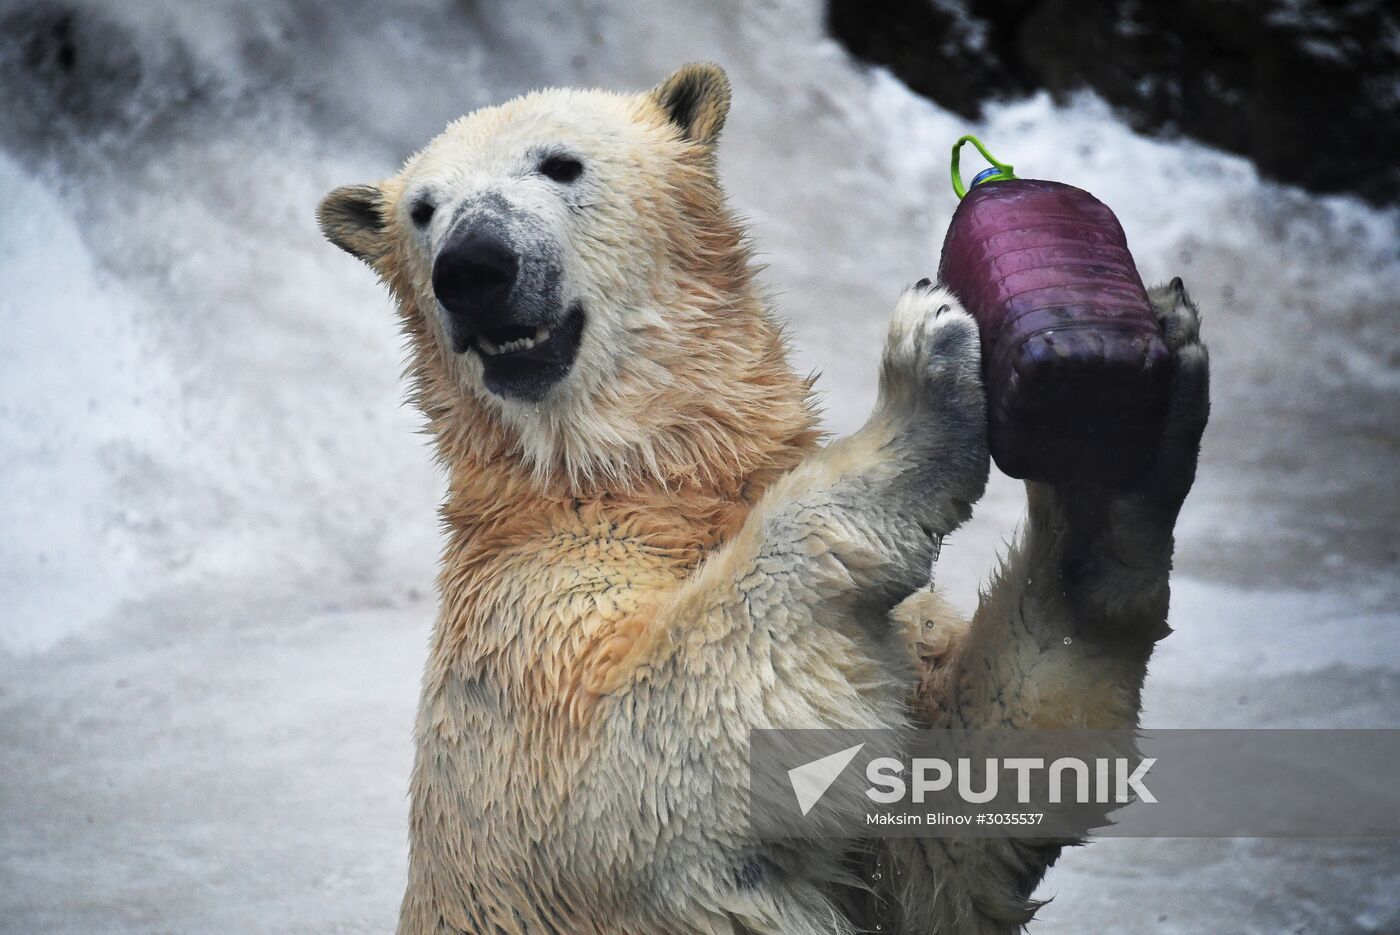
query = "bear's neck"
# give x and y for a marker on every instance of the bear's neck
(705, 469)
(710, 459)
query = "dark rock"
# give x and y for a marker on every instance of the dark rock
(1310, 91)
(82, 75)
(80, 64)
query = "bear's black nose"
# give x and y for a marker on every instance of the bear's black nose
(473, 277)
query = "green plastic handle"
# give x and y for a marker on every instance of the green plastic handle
(1004, 170)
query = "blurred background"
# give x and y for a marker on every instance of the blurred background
(217, 527)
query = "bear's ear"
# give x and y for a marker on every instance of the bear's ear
(696, 99)
(353, 218)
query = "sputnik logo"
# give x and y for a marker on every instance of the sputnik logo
(811, 780)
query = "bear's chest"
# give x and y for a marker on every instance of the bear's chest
(541, 608)
(519, 650)
(507, 730)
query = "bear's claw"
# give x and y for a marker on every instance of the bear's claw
(1170, 478)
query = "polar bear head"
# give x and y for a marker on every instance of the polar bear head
(575, 287)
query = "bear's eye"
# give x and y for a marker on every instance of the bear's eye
(422, 213)
(561, 168)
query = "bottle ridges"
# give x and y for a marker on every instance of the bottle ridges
(1077, 372)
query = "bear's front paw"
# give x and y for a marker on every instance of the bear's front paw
(1118, 538)
(1152, 499)
(933, 353)
(1171, 476)
(931, 387)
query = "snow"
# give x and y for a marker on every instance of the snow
(59, 423)
(218, 520)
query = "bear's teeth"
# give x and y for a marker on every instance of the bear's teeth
(491, 348)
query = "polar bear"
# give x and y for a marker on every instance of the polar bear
(648, 552)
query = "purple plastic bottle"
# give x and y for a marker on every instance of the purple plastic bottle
(1076, 370)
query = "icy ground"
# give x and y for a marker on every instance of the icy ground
(217, 535)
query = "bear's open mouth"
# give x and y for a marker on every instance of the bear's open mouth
(512, 339)
(524, 361)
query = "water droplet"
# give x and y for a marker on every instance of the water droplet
(1068, 640)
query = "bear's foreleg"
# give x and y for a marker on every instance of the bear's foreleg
(787, 626)
(1061, 639)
